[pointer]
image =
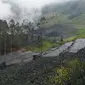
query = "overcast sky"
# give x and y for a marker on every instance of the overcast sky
(20, 8)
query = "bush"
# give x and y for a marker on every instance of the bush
(73, 74)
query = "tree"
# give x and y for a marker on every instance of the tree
(3, 36)
(12, 31)
(43, 19)
(61, 38)
(40, 42)
(28, 30)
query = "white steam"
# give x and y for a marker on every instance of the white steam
(23, 9)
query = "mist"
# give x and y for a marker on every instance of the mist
(23, 9)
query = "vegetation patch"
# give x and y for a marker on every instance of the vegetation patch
(71, 74)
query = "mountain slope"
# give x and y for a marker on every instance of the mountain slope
(71, 13)
(72, 8)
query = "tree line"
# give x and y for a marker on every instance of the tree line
(15, 35)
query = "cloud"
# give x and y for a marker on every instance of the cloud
(4, 10)
(23, 9)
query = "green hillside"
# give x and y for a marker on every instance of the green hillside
(71, 14)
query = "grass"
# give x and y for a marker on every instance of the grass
(45, 46)
(80, 34)
(70, 39)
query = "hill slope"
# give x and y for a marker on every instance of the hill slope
(71, 13)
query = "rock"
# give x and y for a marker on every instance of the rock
(57, 51)
(70, 47)
(2, 65)
(36, 56)
(78, 45)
